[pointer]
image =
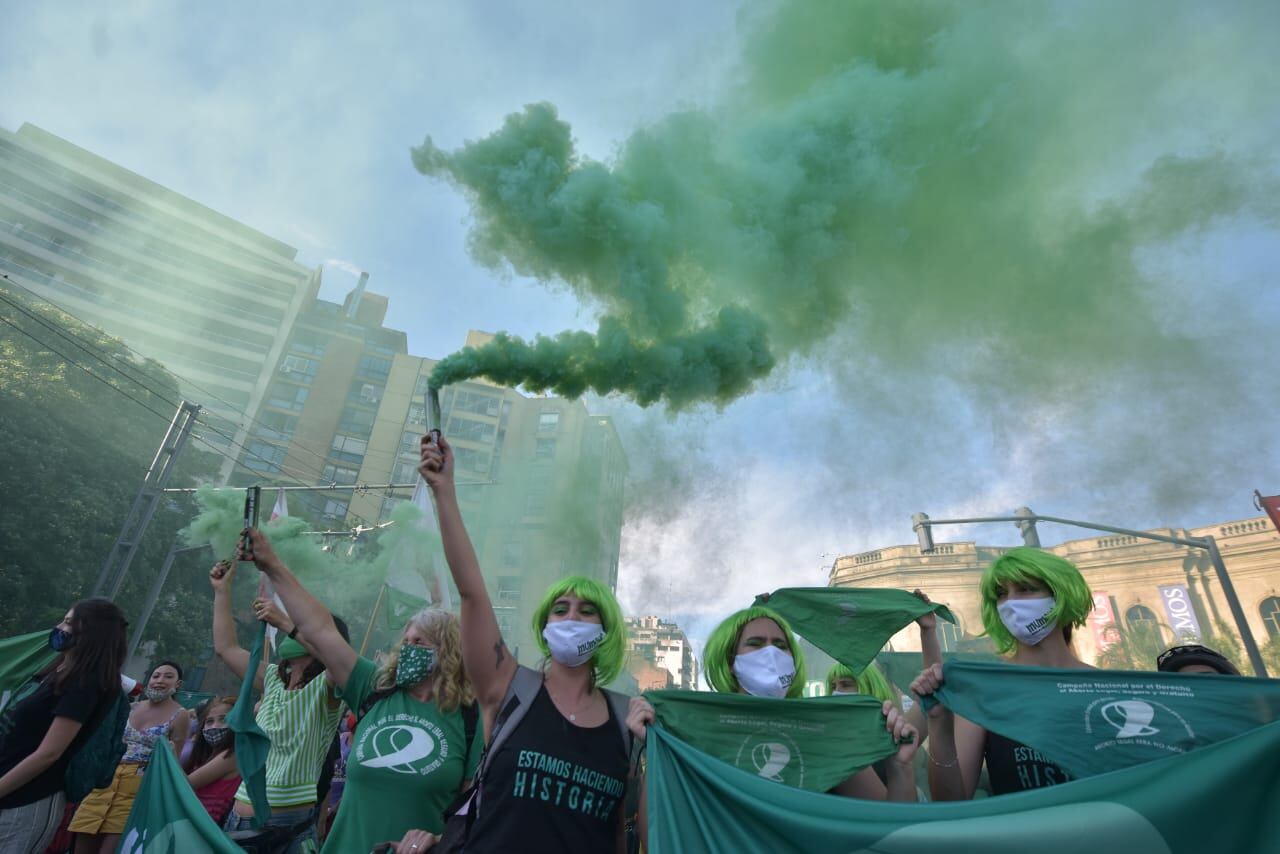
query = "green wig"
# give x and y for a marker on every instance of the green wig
(870, 682)
(609, 656)
(722, 646)
(1024, 565)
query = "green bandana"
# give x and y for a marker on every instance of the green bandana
(849, 624)
(290, 648)
(812, 744)
(167, 815)
(414, 664)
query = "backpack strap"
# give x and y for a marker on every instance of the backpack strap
(470, 720)
(620, 704)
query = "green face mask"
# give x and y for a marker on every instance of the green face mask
(290, 648)
(414, 665)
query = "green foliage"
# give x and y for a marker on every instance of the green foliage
(1133, 648)
(75, 451)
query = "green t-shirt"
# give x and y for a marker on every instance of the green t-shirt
(404, 768)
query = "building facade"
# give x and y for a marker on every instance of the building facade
(653, 642)
(1141, 587)
(208, 297)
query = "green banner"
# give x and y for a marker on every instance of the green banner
(849, 624)
(168, 818)
(1092, 721)
(191, 699)
(252, 744)
(811, 744)
(21, 657)
(400, 606)
(1186, 804)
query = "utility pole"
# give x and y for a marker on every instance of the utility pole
(116, 565)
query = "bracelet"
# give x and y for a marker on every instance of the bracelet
(293, 633)
(953, 763)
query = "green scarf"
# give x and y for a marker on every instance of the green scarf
(252, 744)
(290, 648)
(849, 624)
(22, 657)
(168, 818)
(812, 744)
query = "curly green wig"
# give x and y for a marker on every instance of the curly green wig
(610, 655)
(1025, 565)
(870, 682)
(721, 648)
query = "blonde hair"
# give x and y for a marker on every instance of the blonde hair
(449, 684)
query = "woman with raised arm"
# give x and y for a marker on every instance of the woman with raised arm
(1031, 602)
(555, 770)
(51, 717)
(410, 751)
(299, 712)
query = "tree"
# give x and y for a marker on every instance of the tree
(1133, 648)
(75, 450)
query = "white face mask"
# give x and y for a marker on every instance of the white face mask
(843, 693)
(1028, 619)
(573, 642)
(766, 672)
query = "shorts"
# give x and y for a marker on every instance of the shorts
(107, 810)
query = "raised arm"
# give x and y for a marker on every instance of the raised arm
(955, 745)
(316, 630)
(225, 642)
(488, 663)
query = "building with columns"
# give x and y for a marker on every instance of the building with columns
(1167, 589)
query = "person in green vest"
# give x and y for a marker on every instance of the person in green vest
(409, 753)
(1032, 601)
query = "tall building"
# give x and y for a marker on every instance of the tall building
(317, 417)
(540, 482)
(652, 641)
(1138, 585)
(208, 297)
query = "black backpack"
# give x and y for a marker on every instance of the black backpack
(93, 765)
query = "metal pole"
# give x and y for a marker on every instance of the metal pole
(154, 594)
(337, 487)
(1233, 602)
(377, 607)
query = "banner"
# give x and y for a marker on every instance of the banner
(1103, 622)
(168, 818)
(22, 657)
(400, 606)
(1185, 804)
(847, 623)
(812, 744)
(1092, 721)
(1182, 616)
(1270, 504)
(252, 744)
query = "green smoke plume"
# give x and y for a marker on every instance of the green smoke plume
(925, 182)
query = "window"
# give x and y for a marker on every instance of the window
(356, 421)
(287, 396)
(1140, 614)
(534, 503)
(471, 430)
(509, 589)
(375, 366)
(417, 414)
(334, 509)
(420, 387)
(339, 474)
(366, 392)
(506, 618)
(548, 420)
(544, 449)
(276, 425)
(469, 459)
(405, 473)
(299, 365)
(409, 443)
(389, 505)
(307, 341)
(480, 404)
(348, 448)
(263, 457)
(1270, 610)
(949, 635)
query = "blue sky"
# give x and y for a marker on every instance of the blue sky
(297, 119)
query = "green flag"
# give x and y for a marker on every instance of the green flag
(252, 744)
(167, 817)
(1091, 721)
(22, 657)
(847, 623)
(1220, 798)
(902, 668)
(808, 743)
(400, 606)
(191, 699)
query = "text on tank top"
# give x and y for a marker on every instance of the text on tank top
(1014, 767)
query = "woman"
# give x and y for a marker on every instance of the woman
(299, 712)
(842, 681)
(1031, 602)
(51, 717)
(754, 652)
(559, 771)
(409, 752)
(158, 720)
(211, 768)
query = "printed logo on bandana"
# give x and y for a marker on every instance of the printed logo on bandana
(402, 743)
(1121, 721)
(772, 755)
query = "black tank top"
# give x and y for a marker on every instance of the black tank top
(553, 786)
(1014, 767)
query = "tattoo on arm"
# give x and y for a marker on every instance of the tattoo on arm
(499, 653)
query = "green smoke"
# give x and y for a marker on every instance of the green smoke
(924, 183)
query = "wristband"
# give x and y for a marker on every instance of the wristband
(293, 633)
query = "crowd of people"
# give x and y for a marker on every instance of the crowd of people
(448, 742)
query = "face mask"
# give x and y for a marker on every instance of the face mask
(158, 695)
(414, 664)
(573, 642)
(1028, 619)
(766, 672)
(60, 640)
(843, 693)
(216, 735)
(290, 648)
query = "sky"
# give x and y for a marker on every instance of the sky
(298, 119)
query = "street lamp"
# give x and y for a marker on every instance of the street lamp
(1026, 522)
